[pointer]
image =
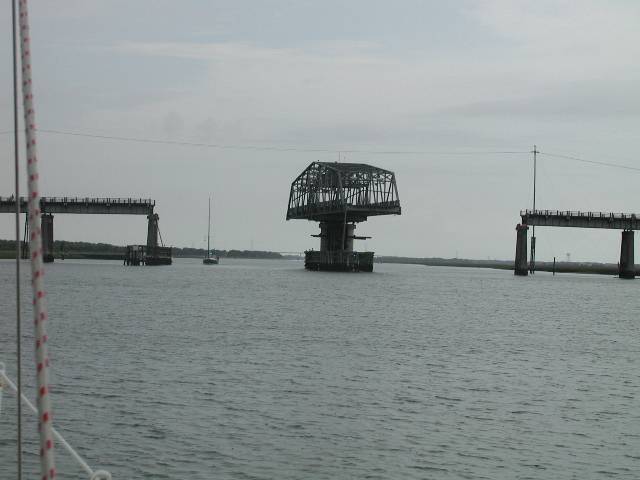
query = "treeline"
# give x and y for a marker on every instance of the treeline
(7, 245)
(200, 253)
(63, 248)
(448, 262)
(559, 267)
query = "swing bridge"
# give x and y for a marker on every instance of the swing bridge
(338, 196)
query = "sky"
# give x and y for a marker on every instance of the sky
(434, 91)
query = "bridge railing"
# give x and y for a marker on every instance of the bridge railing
(574, 214)
(101, 200)
(83, 200)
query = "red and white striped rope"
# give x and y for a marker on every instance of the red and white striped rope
(93, 475)
(47, 463)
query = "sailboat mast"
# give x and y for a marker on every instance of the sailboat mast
(209, 231)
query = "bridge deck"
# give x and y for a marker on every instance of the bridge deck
(565, 218)
(84, 205)
(321, 211)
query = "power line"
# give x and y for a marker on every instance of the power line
(274, 148)
(592, 162)
(178, 142)
(322, 149)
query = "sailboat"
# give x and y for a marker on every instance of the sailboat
(209, 259)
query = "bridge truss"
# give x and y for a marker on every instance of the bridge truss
(327, 191)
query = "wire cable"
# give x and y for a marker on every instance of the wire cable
(230, 146)
(592, 162)
(274, 148)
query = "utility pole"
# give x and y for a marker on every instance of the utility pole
(532, 265)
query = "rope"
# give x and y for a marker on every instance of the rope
(16, 153)
(1, 383)
(97, 475)
(160, 234)
(47, 463)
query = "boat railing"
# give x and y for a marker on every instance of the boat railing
(93, 474)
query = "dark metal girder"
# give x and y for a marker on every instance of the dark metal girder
(350, 192)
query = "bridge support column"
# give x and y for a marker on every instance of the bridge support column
(520, 266)
(46, 226)
(331, 237)
(627, 268)
(152, 232)
(348, 241)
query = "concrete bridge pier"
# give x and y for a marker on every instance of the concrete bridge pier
(627, 268)
(152, 231)
(46, 228)
(520, 266)
(331, 236)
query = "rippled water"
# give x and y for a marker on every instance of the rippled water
(259, 369)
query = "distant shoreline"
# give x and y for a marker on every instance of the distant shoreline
(104, 251)
(561, 267)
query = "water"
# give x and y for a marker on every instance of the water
(261, 370)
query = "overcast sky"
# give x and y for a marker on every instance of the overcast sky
(451, 80)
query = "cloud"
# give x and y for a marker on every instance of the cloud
(173, 125)
(352, 93)
(587, 100)
(563, 37)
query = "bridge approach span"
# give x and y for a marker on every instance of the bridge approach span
(84, 205)
(627, 222)
(565, 218)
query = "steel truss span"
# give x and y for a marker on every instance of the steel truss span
(327, 192)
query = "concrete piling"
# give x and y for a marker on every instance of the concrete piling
(520, 266)
(152, 231)
(627, 268)
(46, 225)
(331, 236)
